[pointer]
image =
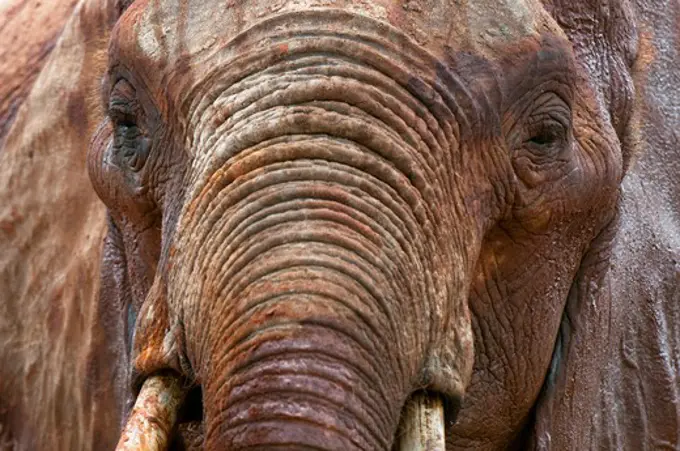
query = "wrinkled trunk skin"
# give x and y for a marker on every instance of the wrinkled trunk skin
(299, 348)
(304, 369)
(300, 343)
(301, 340)
(308, 284)
(314, 279)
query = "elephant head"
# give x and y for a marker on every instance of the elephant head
(320, 208)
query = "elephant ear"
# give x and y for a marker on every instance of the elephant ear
(570, 398)
(613, 383)
(51, 228)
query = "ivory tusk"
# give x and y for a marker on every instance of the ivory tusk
(423, 424)
(153, 417)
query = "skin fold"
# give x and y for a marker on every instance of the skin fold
(314, 209)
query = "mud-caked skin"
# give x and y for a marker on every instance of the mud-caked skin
(317, 208)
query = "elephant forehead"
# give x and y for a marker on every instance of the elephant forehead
(164, 31)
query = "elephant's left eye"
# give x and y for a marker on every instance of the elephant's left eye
(547, 127)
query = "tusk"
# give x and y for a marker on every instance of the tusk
(154, 415)
(423, 426)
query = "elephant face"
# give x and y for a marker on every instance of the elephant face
(318, 208)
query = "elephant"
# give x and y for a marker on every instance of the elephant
(323, 223)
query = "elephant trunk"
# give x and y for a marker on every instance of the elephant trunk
(310, 294)
(301, 344)
(310, 264)
(301, 373)
(294, 397)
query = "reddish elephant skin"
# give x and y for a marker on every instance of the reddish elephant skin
(316, 208)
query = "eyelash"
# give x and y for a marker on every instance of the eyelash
(547, 134)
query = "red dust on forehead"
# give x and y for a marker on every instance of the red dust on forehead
(161, 31)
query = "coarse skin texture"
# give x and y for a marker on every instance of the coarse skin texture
(316, 208)
(22, 53)
(52, 395)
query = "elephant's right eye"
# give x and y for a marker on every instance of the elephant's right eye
(131, 147)
(547, 135)
(130, 143)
